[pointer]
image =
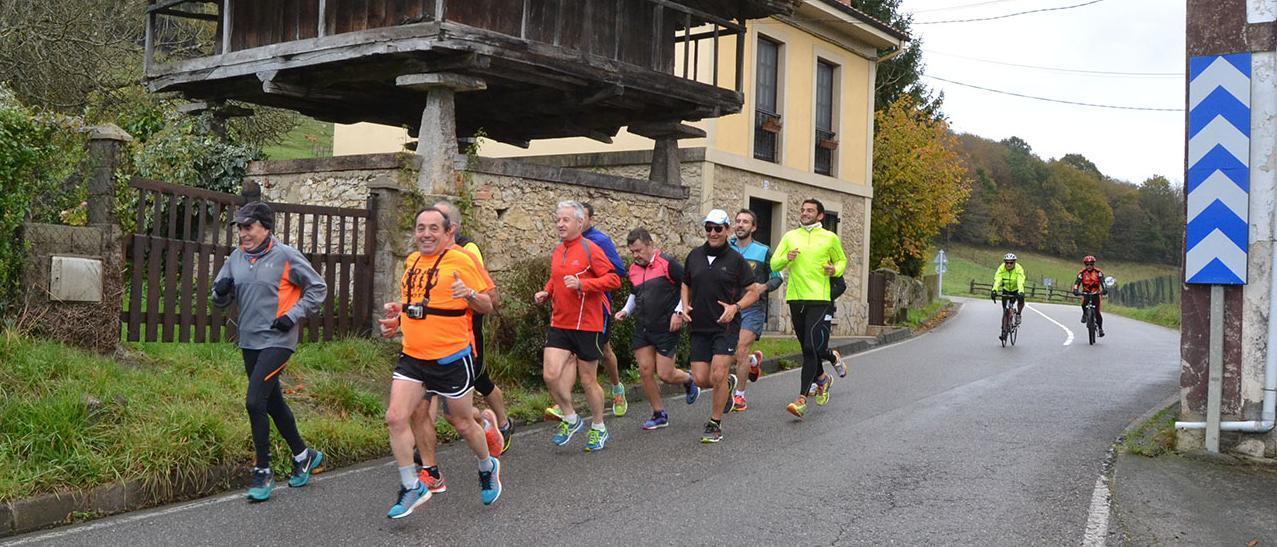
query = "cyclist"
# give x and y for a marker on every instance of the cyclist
(1010, 278)
(1091, 282)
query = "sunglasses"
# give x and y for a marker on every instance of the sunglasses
(716, 228)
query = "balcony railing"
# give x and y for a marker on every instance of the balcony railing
(643, 33)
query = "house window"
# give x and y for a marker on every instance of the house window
(826, 138)
(766, 101)
(830, 222)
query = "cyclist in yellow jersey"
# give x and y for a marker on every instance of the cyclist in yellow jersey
(1010, 278)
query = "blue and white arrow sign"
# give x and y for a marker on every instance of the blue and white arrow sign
(1218, 182)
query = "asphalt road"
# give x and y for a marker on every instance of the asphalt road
(947, 438)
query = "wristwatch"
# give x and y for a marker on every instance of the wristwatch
(473, 294)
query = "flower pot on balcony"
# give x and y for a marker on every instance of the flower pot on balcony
(772, 124)
(828, 144)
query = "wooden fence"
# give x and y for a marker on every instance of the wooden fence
(1144, 293)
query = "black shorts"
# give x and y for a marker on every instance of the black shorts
(453, 380)
(665, 342)
(588, 346)
(705, 345)
(607, 329)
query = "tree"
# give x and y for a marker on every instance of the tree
(919, 184)
(902, 75)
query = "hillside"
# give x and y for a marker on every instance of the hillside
(967, 262)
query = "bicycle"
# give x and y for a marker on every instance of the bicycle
(1010, 315)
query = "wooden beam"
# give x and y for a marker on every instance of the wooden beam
(272, 86)
(666, 130)
(189, 15)
(435, 80)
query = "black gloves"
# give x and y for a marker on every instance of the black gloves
(1077, 292)
(282, 323)
(1104, 292)
(223, 286)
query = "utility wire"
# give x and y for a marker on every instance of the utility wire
(1006, 15)
(1060, 69)
(929, 10)
(1048, 99)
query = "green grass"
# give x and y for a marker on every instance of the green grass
(1166, 315)
(778, 346)
(968, 262)
(71, 419)
(1155, 436)
(918, 317)
(311, 139)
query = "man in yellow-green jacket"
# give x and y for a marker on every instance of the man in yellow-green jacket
(1010, 278)
(812, 255)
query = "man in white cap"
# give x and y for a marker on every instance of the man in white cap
(717, 285)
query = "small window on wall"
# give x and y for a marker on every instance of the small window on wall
(767, 120)
(830, 222)
(826, 138)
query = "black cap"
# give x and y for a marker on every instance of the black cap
(256, 211)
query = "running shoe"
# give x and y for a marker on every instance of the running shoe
(491, 433)
(566, 431)
(263, 482)
(755, 365)
(596, 440)
(1101, 333)
(657, 421)
(731, 388)
(713, 433)
(739, 404)
(435, 486)
(692, 391)
(490, 483)
(619, 405)
(798, 407)
(811, 390)
(839, 366)
(507, 434)
(303, 469)
(408, 500)
(822, 390)
(553, 414)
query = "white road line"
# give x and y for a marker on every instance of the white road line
(1097, 520)
(164, 512)
(1069, 339)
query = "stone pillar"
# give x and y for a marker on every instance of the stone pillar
(106, 142)
(388, 257)
(666, 167)
(437, 137)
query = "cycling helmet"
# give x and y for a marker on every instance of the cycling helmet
(1088, 260)
(1009, 257)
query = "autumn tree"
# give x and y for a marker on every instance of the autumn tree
(919, 184)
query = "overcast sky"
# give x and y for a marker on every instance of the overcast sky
(1129, 36)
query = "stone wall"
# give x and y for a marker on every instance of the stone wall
(513, 207)
(93, 325)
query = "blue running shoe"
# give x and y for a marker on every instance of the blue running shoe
(692, 391)
(409, 499)
(490, 482)
(657, 421)
(303, 469)
(262, 483)
(596, 440)
(566, 431)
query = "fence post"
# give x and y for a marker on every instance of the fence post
(104, 149)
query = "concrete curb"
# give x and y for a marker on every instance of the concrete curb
(1108, 468)
(49, 510)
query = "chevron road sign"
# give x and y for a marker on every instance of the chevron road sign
(1218, 182)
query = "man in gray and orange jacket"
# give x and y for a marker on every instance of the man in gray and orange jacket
(276, 287)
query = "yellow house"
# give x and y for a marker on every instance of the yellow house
(805, 131)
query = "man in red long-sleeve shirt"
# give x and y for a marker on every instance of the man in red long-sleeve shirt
(580, 274)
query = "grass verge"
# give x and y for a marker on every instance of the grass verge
(1155, 436)
(1166, 315)
(920, 317)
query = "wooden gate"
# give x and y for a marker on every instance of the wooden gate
(182, 236)
(877, 298)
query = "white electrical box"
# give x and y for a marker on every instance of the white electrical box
(74, 279)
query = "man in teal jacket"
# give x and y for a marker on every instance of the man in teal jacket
(812, 255)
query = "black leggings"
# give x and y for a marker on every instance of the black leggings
(265, 401)
(1099, 318)
(813, 335)
(482, 382)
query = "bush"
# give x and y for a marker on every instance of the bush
(37, 153)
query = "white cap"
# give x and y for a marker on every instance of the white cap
(717, 216)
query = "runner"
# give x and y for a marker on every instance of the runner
(443, 285)
(619, 404)
(837, 286)
(276, 287)
(654, 304)
(580, 274)
(813, 255)
(753, 318)
(717, 284)
(426, 414)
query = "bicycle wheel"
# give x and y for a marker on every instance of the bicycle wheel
(1090, 325)
(1014, 332)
